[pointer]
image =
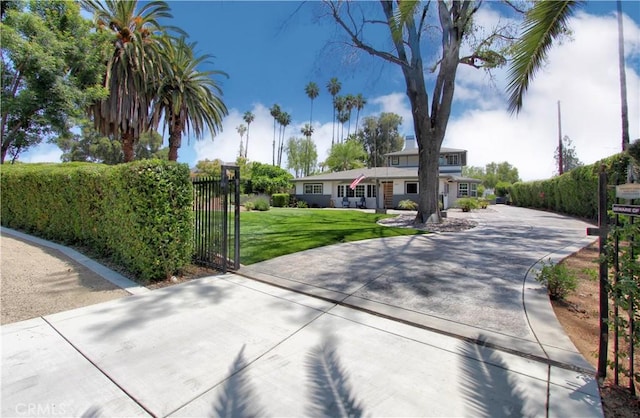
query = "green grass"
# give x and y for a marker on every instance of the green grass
(280, 231)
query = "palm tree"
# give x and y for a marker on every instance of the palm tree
(248, 118)
(333, 87)
(359, 103)
(343, 117)
(543, 23)
(242, 129)
(350, 103)
(312, 91)
(624, 111)
(275, 113)
(307, 130)
(186, 99)
(284, 120)
(129, 68)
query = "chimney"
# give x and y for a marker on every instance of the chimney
(409, 142)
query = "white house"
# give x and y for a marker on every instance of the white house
(385, 187)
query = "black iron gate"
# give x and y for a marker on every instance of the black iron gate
(619, 279)
(216, 238)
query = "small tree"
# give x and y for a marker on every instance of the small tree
(346, 156)
(569, 157)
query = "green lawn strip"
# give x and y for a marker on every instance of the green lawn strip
(280, 231)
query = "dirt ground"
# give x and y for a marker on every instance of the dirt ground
(579, 315)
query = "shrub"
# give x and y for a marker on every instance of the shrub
(407, 205)
(503, 188)
(557, 279)
(280, 200)
(140, 214)
(302, 204)
(467, 203)
(261, 204)
(249, 205)
(483, 203)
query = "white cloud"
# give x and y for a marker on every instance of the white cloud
(399, 104)
(45, 153)
(583, 75)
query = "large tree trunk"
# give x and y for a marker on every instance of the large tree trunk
(175, 141)
(127, 146)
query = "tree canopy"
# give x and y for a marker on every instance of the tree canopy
(379, 136)
(50, 70)
(346, 155)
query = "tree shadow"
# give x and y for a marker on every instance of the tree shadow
(238, 397)
(487, 385)
(330, 392)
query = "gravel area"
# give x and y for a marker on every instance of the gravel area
(37, 281)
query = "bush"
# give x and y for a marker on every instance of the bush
(280, 200)
(557, 279)
(302, 204)
(503, 188)
(483, 203)
(140, 214)
(249, 206)
(407, 205)
(467, 203)
(261, 204)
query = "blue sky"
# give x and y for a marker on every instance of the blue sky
(271, 50)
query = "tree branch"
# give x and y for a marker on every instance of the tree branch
(358, 43)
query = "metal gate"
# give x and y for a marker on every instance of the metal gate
(216, 239)
(619, 279)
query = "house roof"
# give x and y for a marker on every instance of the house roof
(381, 173)
(414, 151)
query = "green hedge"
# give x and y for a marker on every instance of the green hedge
(139, 214)
(575, 192)
(280, 200)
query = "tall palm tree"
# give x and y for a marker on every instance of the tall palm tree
(350, 103)
(307, 130)
(312, 91)
(359, 103)
(284, 120)
(129, 67)
(242, 129)
(333, 87)
(543, 23)
(624, 111)
(343, 117)
(275, 113)
(248, 118)
(339, 104)
(186, 98)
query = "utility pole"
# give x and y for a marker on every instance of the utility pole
(623, 81)
(560, 162)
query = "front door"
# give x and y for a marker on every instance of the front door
(387, 193)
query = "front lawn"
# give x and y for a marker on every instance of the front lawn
(280, 231)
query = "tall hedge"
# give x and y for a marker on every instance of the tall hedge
(574, 193)
(137, 214)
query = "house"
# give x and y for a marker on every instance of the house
(385, 187)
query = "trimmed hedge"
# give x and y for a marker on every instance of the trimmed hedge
(280, 200)
(574, 193)
(138, 214)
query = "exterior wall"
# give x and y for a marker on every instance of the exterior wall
(316, 200)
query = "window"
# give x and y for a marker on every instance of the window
(340, 190)
(359, 190)
(395, 160)
(452, 159)
(371, 190)
(474, 190)
(463, 189)
(312, 188)
(411, 188)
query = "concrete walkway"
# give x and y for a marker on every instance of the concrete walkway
(233, 346)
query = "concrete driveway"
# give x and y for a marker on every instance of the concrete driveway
(478, 284)
(467, 338)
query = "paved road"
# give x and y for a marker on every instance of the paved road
(233, 346)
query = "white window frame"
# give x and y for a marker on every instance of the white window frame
(407, 183)
(463, 191)
(371, 190)
(312, 188)
(395, 160)
(452, 159)
(474, 189)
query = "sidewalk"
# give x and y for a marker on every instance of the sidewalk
(233, 346)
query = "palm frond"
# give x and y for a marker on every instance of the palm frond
(544, 22)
